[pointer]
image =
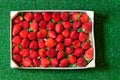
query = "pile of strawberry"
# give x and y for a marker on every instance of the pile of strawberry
(51, 39)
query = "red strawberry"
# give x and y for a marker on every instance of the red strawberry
(25, 43)
(33, 45)
(64, 63)
(16, 40)
(27, 62)
(41, 43)
(51, 53)
(54, 62)
(37, 16)
(28, 16)
(16, 49)
(24, 33)
(60, 55)
(84, 18)
(50, 43)
(81, 62)
(76, 25)
(65, 16)
(32, 36)
(47, 16)
(66, 24)
(76, 43)
(52, 34)
(69, 50)
(83, 36)
(24, 24)
(67, 41)
(33, 54)
(17, 20)
(42, 33)
(17, 58)
(24, 52)
(86, 45)
(89, 54)
(66, 33)
(42, 53)
(75, 16)
(43, 24)
(45, 62)
(51, 26)
(16, 29)
(36, 62)
(74, 35)
(87, 26)
(59, 28)
(72, 59)
(56, 16)
(60, 47)
(34, 26)
(60, 38)
(78, 52)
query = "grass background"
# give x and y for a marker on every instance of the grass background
(107, 30)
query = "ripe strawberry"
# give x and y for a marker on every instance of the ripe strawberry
(41, 43)
(78, 52)
(37, 16)
(52, 34)
(69, 50)
(60, 47)
(24, 24)
(89, 54)
(65, 16)
(24, 52)
(36, 62)
(75, 16)
(67, 41)
(74, 35)
(47, 16)
(16, 40)
(59, 28)
(24, 33)
(76, 43)
(60, 38)
(28, 16)
(66, 33)
(51, 53)
(76, 25)
(42, 33)
(56, 16)
(50, 43)
(87, 26)
(16, 49)
(60, 55)
(17, 58)
(34, 26)
(43, 24)
(16, 29)
(27, 62)
(25, 43)
(64, 63)
(66, 24)
(45, 62)
(17, 20)
(42, 53)
(33, 45)
(54, 62)
(86, 45)
(84, 18)
(83, 36)
(81, 62)
(32, 36)
(72, 59)
(51, 26)
(33, 54)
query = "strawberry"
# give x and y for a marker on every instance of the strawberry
(60, 38)
(89, 54)
(24, 52)
(67, 41)
(50, 43)
(56, 16)
(17, 20)
(66, 33)
(27, 62)
(59, 28)
(28, 16)
(76, 25)
(81, 62)
(16, 49)
(45, 62)
(33, 54)
(69, 50)
(32, 36)
(78, 52)
(51, 26)
(36, 62)
(37, 17)
(84, 18)
(76, 43)
(60, 47)
(51, 53)
(16, 40)
(65, 16)
(41, 43)
(43, 24)
(17, 58)
(34, 26)
(47, 16)
(33, 45)
(24, 33)
(16, 29)
(24, 24)
(86, 45)
(42, 33)
(25, 43)
(74, 35)
(64, 63)
(66, 24)
(55, 62)
(83, 36)
(60, 55)
(72, 59)
(42, 53)
(87, 26)
(52, 34)
(75, 16)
